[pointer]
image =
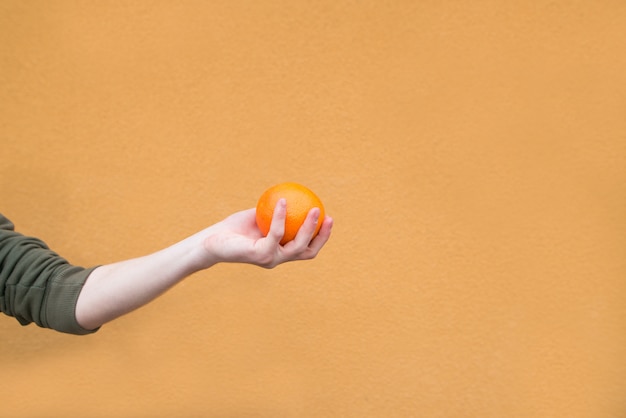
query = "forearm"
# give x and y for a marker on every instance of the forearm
(116, 289)
(36, 285)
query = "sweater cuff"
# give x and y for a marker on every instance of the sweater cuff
(59, 309)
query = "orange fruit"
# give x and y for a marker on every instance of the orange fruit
(300, 200)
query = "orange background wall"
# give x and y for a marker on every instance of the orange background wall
(473, 155)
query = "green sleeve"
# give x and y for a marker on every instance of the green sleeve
(36, 284)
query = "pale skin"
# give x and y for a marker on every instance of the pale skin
(116, 289)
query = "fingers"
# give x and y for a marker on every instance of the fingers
(322, 237)
(306, 231)
(319, 241)
(303, 247)
(277, 227)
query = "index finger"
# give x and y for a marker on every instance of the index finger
(277, 227)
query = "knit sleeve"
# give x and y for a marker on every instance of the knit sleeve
(36, 284)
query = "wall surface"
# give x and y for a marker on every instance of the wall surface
(472, 154)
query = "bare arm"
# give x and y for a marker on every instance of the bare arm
(116, 289)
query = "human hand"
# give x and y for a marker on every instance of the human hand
(115, 289)
(238, 239)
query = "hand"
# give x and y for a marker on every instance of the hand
(115, 289)
(238, 239)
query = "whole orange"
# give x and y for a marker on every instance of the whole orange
(300, 200)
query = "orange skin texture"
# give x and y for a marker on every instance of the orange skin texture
(300, 200)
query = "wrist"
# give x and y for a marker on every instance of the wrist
(198, 252)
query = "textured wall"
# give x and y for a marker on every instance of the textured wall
(473, 155)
